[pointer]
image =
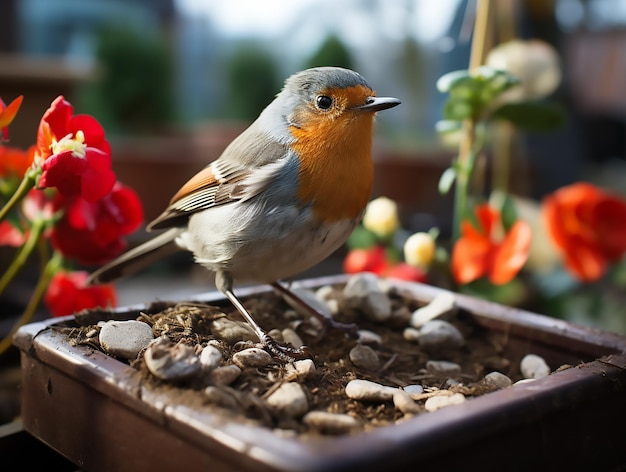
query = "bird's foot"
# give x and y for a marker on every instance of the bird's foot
(286, 353)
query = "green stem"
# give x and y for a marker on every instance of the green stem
(27, 183)
(40, 289)
(465, 165)
(23, 254)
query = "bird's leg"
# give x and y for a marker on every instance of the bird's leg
(327, 321)
(285, 353)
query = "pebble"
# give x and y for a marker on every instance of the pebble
(414, 389)
(299, 370)
(171, 362)
(289, 399)
(523, 381)
(252, 357)
(328, 295)
(220, 397)
(411, 334)
(232, 331)
(442, 304)
(439, 334)
(334, 423)
(443, 368)
(498, 380)
(363, 293)
(365, 336)
(365, 390)
(224, 375)
(403, 401)
(291, 337)
(534, 367)
(125, 339)
(210, 357)
(441, 401)
(364, 357)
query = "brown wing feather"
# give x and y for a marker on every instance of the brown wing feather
(204, 178)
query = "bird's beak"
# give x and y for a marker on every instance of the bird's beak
(378, 103)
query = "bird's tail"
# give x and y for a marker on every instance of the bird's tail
(137, 258)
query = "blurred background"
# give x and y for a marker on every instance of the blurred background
(174, 81)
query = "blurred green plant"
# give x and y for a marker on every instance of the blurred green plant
(252, 79)
(332, 52)
(134, 90)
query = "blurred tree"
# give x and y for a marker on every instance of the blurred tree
(332, 52)
(134, 92)
(252, 80)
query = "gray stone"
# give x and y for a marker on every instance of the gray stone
(125, 339)
(534, 367)
(171, 362)
(365, 390)
(364, 357)
(498, 380)
(363, 293)
(439, 334)
(210, 357)
(334, 423)
(232, 331)
(441, 401)
(252, 357)
(402, 401)
(443, 368)
(289, 399)
(224, 375)
(442, 304)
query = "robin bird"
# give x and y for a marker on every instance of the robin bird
(282, 197)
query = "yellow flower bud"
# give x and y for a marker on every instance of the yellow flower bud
(419, 250)
(381, 217)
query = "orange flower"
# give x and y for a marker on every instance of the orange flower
(588, 226)
(7, 113)
(480, 252)
(14, 162)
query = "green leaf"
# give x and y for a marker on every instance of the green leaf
(361, 238)
(508, 212)
(532, 116)
(457, 109)
(446, 180)
(447, 81)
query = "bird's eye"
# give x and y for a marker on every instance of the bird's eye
(324, 102)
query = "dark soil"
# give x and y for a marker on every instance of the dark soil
(402, 362)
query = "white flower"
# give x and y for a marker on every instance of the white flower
(419, 249)
(381, 217)
(535, 63)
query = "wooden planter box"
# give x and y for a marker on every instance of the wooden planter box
(80, 402)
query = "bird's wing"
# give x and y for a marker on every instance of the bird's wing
(242, 171)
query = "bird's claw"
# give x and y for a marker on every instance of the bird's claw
(286, 353)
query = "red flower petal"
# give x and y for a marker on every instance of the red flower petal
(93, 131)
(511, 254)
(68, 294)
(470, 259)
(588, 226)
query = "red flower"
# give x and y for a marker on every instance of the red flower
(76, 156)
(68, 294)
(588, 226)
(404, 271)
(93, 232)
(479, 252)
(10, 235)
(365, 260)
(7, 113)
